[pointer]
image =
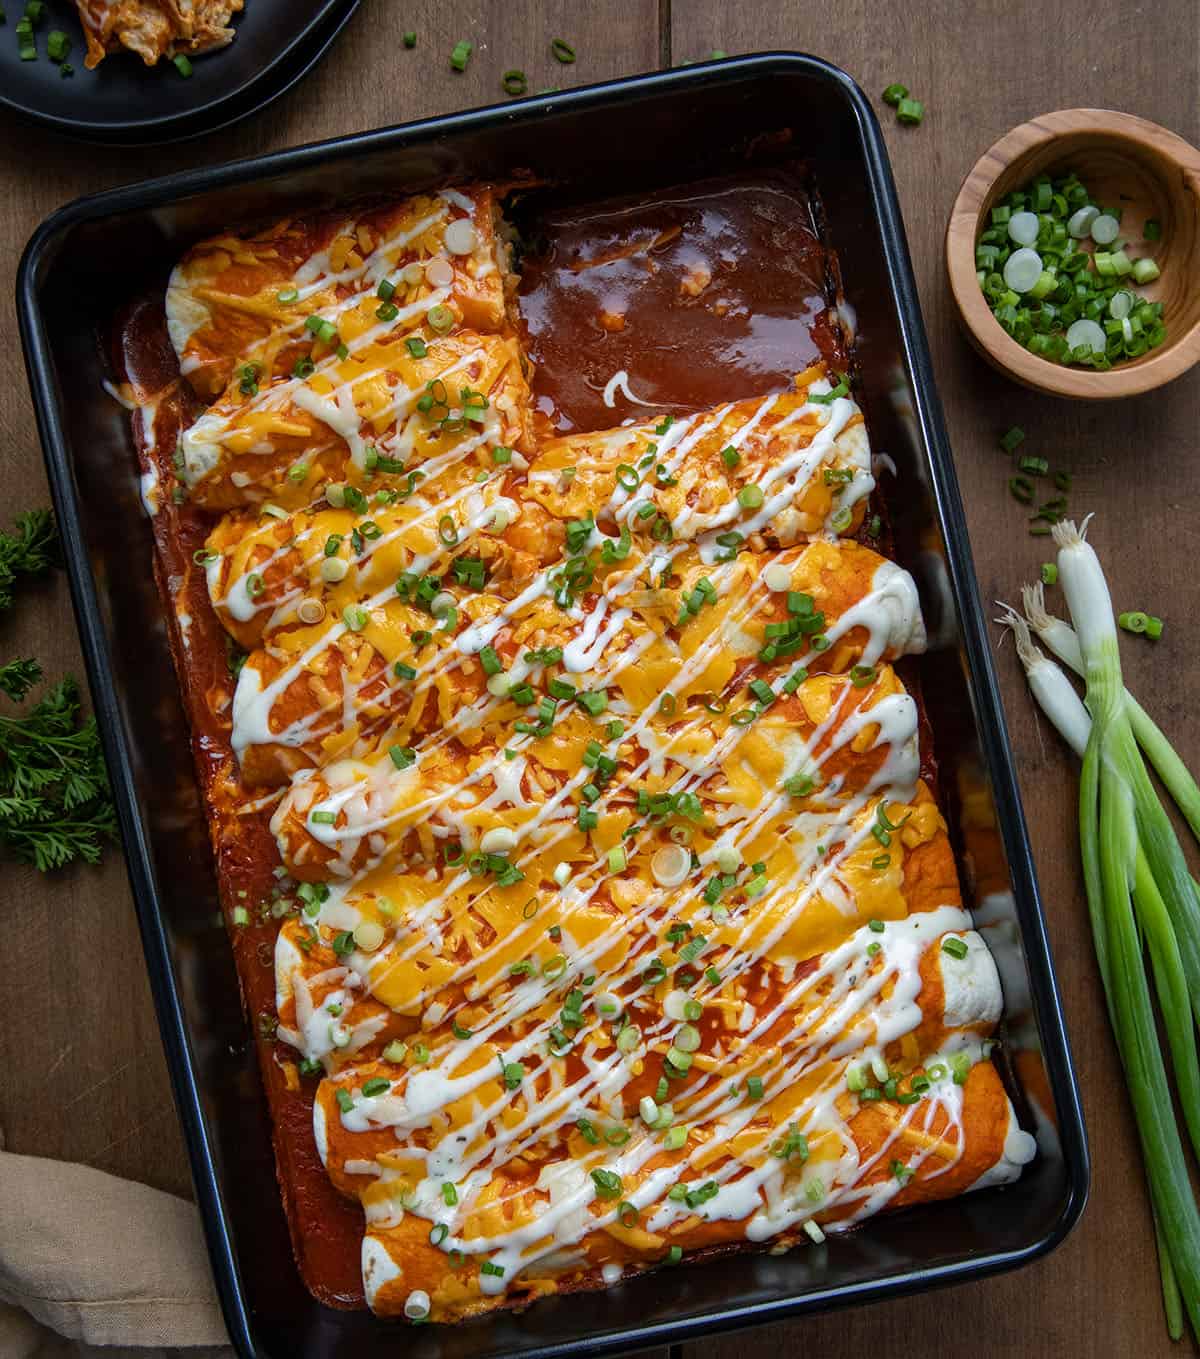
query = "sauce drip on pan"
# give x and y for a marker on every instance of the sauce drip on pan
(709, 294)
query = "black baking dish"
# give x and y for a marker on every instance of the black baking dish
(641, 133)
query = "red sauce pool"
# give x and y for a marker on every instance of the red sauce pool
(702, 294)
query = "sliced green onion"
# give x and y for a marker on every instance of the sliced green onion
(608, 1184)
(562, 51)
(1139, 622)
(894, 93)
(910, 112)
(1105, 228)
(461, 55)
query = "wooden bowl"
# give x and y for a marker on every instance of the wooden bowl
(1152, 174)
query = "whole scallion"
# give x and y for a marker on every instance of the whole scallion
(1142, 900)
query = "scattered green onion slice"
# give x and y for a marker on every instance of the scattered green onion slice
(1139, 622)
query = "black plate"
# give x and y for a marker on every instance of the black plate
(126, 102)
(631, 135)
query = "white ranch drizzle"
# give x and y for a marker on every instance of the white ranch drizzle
(619, 382)
(860, 998)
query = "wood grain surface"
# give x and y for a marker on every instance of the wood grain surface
(82, 1073)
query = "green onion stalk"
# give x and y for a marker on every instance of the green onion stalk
(1139, 892)
(1058, 699)
(1059, 637)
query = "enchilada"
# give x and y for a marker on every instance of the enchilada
(611, 913)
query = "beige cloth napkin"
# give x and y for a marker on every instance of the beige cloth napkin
(101, 1261)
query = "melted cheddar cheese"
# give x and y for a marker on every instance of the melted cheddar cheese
(621, 920)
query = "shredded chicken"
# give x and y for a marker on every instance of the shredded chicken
(155, 28)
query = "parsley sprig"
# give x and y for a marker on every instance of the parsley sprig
(55, 804)
(28, 551)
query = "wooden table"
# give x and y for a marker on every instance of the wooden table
(79, 1015)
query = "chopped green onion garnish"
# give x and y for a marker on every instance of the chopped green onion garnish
(608, 1184)
(1139, 622)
